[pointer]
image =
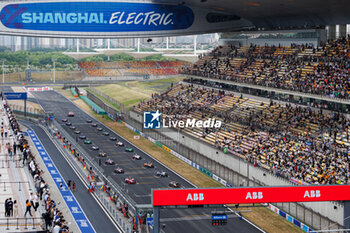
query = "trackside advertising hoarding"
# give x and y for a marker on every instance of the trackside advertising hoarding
(107, 19)
(250, 195)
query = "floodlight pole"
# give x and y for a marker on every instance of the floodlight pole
(77, 45)
(3, 71)
(108, 43)
(54, 70)
(248, 173)
(195, 45)
(25, 108)
(138, 45)
(167, 43)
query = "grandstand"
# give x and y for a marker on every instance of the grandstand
(319, 70)
(122, 68)
(290, 141)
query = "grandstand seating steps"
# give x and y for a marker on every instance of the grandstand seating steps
(242, 141)
(154, 68)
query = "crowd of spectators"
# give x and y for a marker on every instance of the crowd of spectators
(53, 217)
(110, 69)
(322, 70)
(290, 141)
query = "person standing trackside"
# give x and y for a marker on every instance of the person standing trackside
(36, 201)
(73, 186)
(24, 156)
(69, 183)
(10, 207)
(31, 199)
(15, 209)
(10, 153)
(28, 208)
(14, 148)
(6, 207)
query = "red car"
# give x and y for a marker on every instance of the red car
(136, 156)
(130, 180)
(71, 114)
(119, 143)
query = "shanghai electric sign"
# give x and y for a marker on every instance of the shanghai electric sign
(250, 195)
(96, 16)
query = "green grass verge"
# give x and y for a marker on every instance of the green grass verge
(130, 93)
(117, 107)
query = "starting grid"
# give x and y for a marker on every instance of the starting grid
(73, 206)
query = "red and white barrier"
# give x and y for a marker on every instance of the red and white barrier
(39, 89)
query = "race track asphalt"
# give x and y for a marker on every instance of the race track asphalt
(97, 217)
(176, 220)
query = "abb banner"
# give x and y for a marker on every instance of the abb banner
(39, 89)
(250, 195)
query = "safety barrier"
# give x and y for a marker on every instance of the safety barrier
(290, 218)
(21, 222)
(74, 93)
(39, 89)
(94, 106)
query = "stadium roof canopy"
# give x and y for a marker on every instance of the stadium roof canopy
(159, 18)
(183, 57)
(112, 51)
(279, 14)
(140, 55)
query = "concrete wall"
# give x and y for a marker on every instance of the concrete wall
(235, 170)
(128, 78)
(276, 42)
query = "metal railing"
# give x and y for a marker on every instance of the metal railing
(5, 163)
(6, 184)
(19, 222)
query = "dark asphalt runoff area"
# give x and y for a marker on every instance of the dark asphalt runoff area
(176, 220)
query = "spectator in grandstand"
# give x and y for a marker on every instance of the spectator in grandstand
(323, 70)
(290, 141)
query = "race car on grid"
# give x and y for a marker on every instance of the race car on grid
(130, 180)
